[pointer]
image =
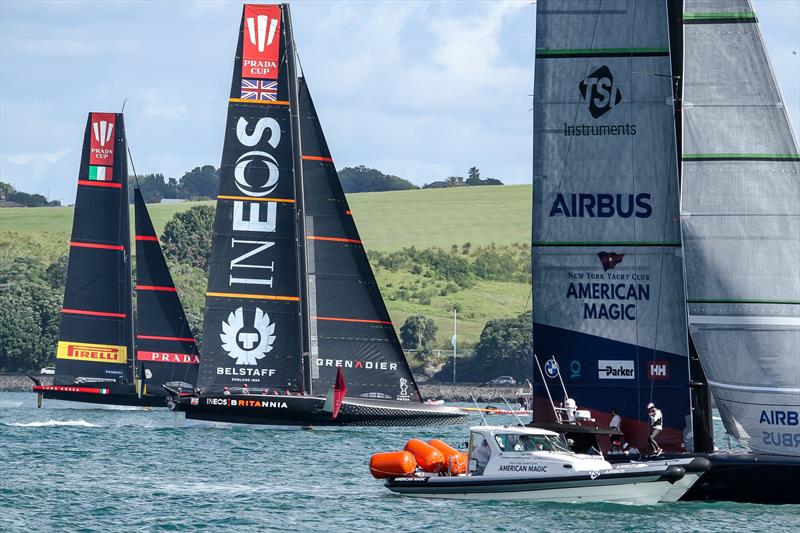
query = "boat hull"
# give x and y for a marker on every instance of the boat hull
(310, 411)
(646, 488)
(104, 396)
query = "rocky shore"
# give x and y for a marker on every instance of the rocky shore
(448, 392)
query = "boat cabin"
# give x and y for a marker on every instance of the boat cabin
(519, 450)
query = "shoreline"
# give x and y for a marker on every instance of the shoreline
(460, 392)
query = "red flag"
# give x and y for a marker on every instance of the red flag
(339, 390)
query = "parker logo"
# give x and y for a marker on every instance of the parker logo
(166, 357)
(98, 353)
(658, 370)
(609, 260)
(615, 370)
(599, 92)
(247, 345)
(261, 41)
(101, 145)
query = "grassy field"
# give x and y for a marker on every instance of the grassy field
(387, 221)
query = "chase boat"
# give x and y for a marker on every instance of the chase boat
(505, 463)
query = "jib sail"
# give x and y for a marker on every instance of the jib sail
(95, 339)
(252, 322)
(349, 326)
(740, 214)
(607, 274)
(165, 346)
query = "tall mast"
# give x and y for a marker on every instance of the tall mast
(297, 159)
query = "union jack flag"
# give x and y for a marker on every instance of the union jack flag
(259, 89)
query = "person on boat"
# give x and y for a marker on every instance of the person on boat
(481, 454)
(656, 425)
(616, 420)
(226, 391)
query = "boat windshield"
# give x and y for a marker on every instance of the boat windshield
(513, 442)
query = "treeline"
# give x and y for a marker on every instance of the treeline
(11, 197)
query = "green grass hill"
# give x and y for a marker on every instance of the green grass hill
(387, 222)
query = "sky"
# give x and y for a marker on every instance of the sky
(422, 90)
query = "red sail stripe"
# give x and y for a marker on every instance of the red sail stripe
(147, 238)
(77, 244)
(333, 239)
(92, 313)
(161, 338)
(318, 158)
(155, 288)
(362, 320)
(112, 184)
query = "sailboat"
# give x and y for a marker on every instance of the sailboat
(105, 354)
(666, 231)
(295, 329)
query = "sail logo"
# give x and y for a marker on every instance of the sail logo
(603, 205)
(261, 45)
(101, 144)
(615, 369)
(96, 353)
(247, 346)
(599, 92)
(658, 370)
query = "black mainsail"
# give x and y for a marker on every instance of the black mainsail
(95, 354)
(165, 347)
(291, 297)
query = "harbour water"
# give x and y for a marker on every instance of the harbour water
(78, 467)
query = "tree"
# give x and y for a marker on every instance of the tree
(418, 332)
(363, 179)
(29, 320)
(187, 236)
(200, 182)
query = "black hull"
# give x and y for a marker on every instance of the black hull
(743, 477)
(309, 411)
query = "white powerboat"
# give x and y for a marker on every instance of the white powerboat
(535, 464)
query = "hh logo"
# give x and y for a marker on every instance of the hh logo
(599, 92)
(609, 260)
(262, 25)
(658, 370)
(247, 345)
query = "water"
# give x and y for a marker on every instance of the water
(73, 467)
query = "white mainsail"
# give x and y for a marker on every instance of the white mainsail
(608, 286)
(740, 218)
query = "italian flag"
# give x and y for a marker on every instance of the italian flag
(99, 173)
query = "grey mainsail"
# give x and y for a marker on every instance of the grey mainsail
(607, 274)
(740, 217)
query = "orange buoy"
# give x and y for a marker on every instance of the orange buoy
(455, 460)
(392, 464)
(428, 458)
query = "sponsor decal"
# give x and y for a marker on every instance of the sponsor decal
(615, 369)
(247, 345)
(97, 173)
(168, 357)
(575, 369)
(98, 353)
(357, 363)
(599, 94)
(551, 368)
(404, 390)
(259, 89)
(658, 370)
(609, 260)
(101, 144)
(522, 468)
(602, 205)
(780, 418)
(261, 41)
